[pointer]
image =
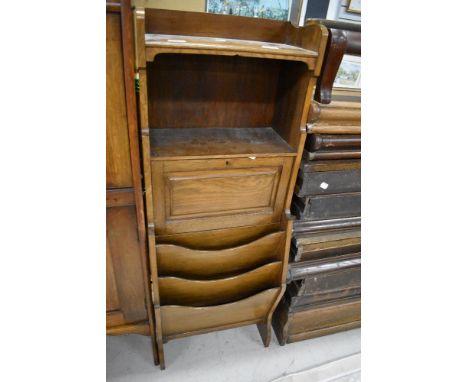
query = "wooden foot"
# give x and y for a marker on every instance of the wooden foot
(280, 323)
(264, 329)
(155, 351)
(162, 363)
(159, 339)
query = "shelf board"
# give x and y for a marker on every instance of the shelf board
(162, 43)
(177, 143)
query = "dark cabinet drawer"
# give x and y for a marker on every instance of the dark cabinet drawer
(328, 182)
(327, 206)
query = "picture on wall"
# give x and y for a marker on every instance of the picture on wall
(354, 6)
(349, 73)
(266, 9)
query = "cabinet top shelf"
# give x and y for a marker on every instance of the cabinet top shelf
(165, 43)
(212, 142)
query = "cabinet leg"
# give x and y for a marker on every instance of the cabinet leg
(159, 339)
(264, 329)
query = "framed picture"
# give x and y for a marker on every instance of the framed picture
(354, 6)
(266, 9)
(349, 73)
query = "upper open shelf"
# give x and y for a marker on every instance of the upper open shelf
(166, 43)
(217, 142)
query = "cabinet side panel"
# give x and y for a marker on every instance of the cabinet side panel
(123, 248)
(118, 166)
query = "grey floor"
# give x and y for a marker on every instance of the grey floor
(235, 355)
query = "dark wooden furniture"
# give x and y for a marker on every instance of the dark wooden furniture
(128, 300)
(223, 109)
(324, 286)
(344, 38)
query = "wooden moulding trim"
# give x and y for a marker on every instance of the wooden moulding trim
(112, 7)
(344, 113)
(152, 52)
(301, 226)
(322, 332)
(139, 20)
(120, 197)
(303, 269)
(141, 327)
(222, 156)
(334, 129)
(214, 329)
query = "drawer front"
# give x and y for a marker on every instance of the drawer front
(336, 314)
(327, 206)
(197, 195)
(324, 287)
(328, 182)
(315, 246)
(315, 142)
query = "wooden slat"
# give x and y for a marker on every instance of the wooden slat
(309, 268)
(219, 238)
(226, 46)
(302, 227)
(179, 291)
(114, 318)
(178, 320)
(307, 335)
(336, 154)
(142, 328)
(213, 142)
(326, 249)
(120, 197)
(330, 165)
(179, 261)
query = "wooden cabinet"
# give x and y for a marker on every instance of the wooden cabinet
(129, 305)
(223, 108)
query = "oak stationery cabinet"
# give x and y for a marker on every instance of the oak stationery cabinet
(223, 106)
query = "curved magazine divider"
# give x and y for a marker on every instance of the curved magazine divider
(178, 291)
(174, 260)
(179, 321)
